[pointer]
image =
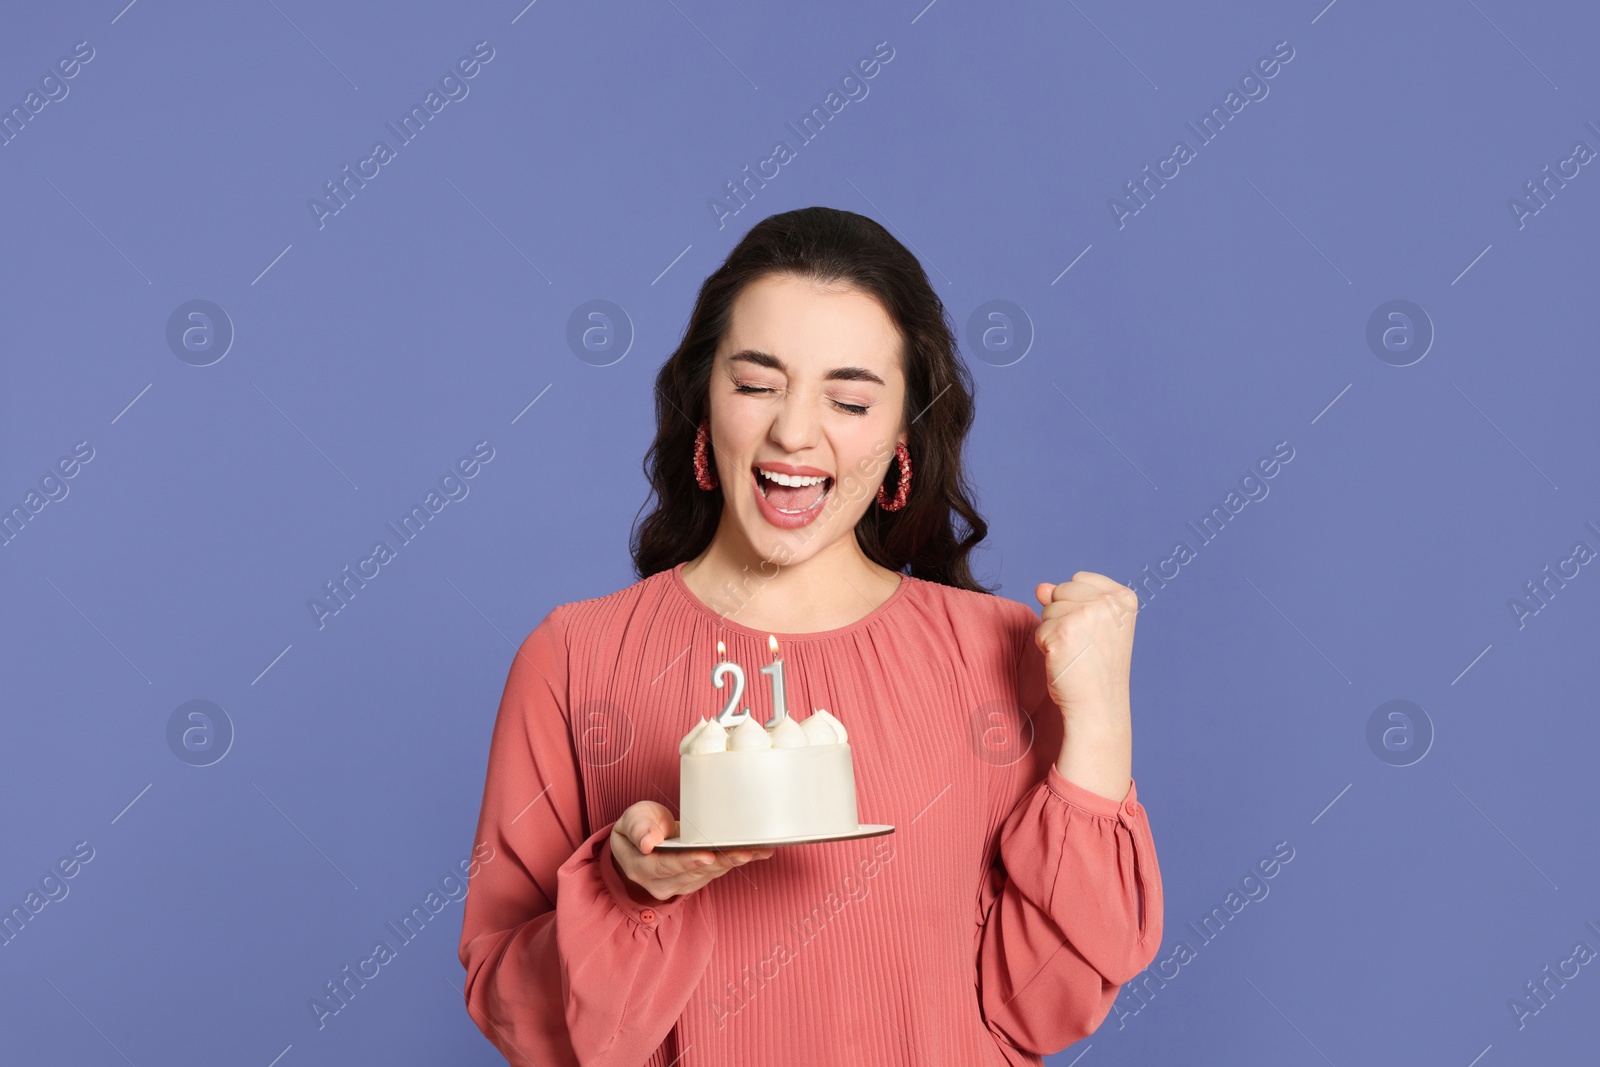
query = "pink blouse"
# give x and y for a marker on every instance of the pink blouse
(994, 925)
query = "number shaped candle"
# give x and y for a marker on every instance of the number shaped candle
(730, 715)
(774, 671)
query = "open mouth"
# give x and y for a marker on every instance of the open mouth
(792, 494)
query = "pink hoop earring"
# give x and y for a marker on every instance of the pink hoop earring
(705, 476)
(903, 489)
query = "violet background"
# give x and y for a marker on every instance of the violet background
(1167, 356)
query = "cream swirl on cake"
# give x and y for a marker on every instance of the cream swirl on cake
(819, 728)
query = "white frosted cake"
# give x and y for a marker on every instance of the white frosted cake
(756, 783)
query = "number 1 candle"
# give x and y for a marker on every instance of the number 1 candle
(774, 671)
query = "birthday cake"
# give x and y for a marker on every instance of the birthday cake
(759, 783)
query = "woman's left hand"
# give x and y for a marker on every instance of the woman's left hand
(1086, 634)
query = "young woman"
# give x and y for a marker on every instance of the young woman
(1019, 889)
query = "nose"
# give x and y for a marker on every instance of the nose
(798, 424)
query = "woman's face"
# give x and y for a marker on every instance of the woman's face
(806, 385)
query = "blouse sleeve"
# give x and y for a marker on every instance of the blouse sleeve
(1071, 908)
(564, 965)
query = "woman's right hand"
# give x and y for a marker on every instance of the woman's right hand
(661, 875)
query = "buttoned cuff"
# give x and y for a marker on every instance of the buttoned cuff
(1089, 800)
(645, 910)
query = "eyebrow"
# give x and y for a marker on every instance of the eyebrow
(837, 374)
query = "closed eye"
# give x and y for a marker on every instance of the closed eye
(751, 390)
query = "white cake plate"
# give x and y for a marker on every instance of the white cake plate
(673, 844)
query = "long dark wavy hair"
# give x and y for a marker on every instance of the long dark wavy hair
(933, 534)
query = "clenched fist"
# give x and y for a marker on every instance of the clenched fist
(1086, 635)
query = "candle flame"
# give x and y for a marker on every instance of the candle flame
(722, 653)
(772, 643)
